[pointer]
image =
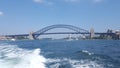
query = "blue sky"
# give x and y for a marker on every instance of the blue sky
(23, 16)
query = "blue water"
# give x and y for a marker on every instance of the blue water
(60, 54)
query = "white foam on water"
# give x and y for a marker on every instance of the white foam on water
(89, 53)
(56, 63)
(12, 56)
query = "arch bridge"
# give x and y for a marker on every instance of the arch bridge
(77, 30)
(73, 28)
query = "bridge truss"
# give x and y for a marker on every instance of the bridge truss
(74, 28)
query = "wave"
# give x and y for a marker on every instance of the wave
(89, 53)
(101, 59)
(70, 63)
(12, 56)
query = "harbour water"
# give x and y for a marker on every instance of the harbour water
(60, 54)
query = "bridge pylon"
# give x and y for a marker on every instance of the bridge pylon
(31, 37)
(117, 33)
(92, 34)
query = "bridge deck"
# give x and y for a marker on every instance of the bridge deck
(97, 33)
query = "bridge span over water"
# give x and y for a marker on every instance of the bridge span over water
(44, 31)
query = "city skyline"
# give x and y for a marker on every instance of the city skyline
(32, 15)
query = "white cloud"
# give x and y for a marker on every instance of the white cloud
(38, 1)
(71, 0)
(1, 13)
(98, 0)
(44, 1)
(51, 2)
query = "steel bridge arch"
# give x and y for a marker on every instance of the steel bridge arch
(45, 29)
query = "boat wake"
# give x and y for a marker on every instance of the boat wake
(13, 57)
(69, 63)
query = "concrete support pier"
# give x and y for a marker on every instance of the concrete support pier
(31, 37)
(92, 34)
(119, 36)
